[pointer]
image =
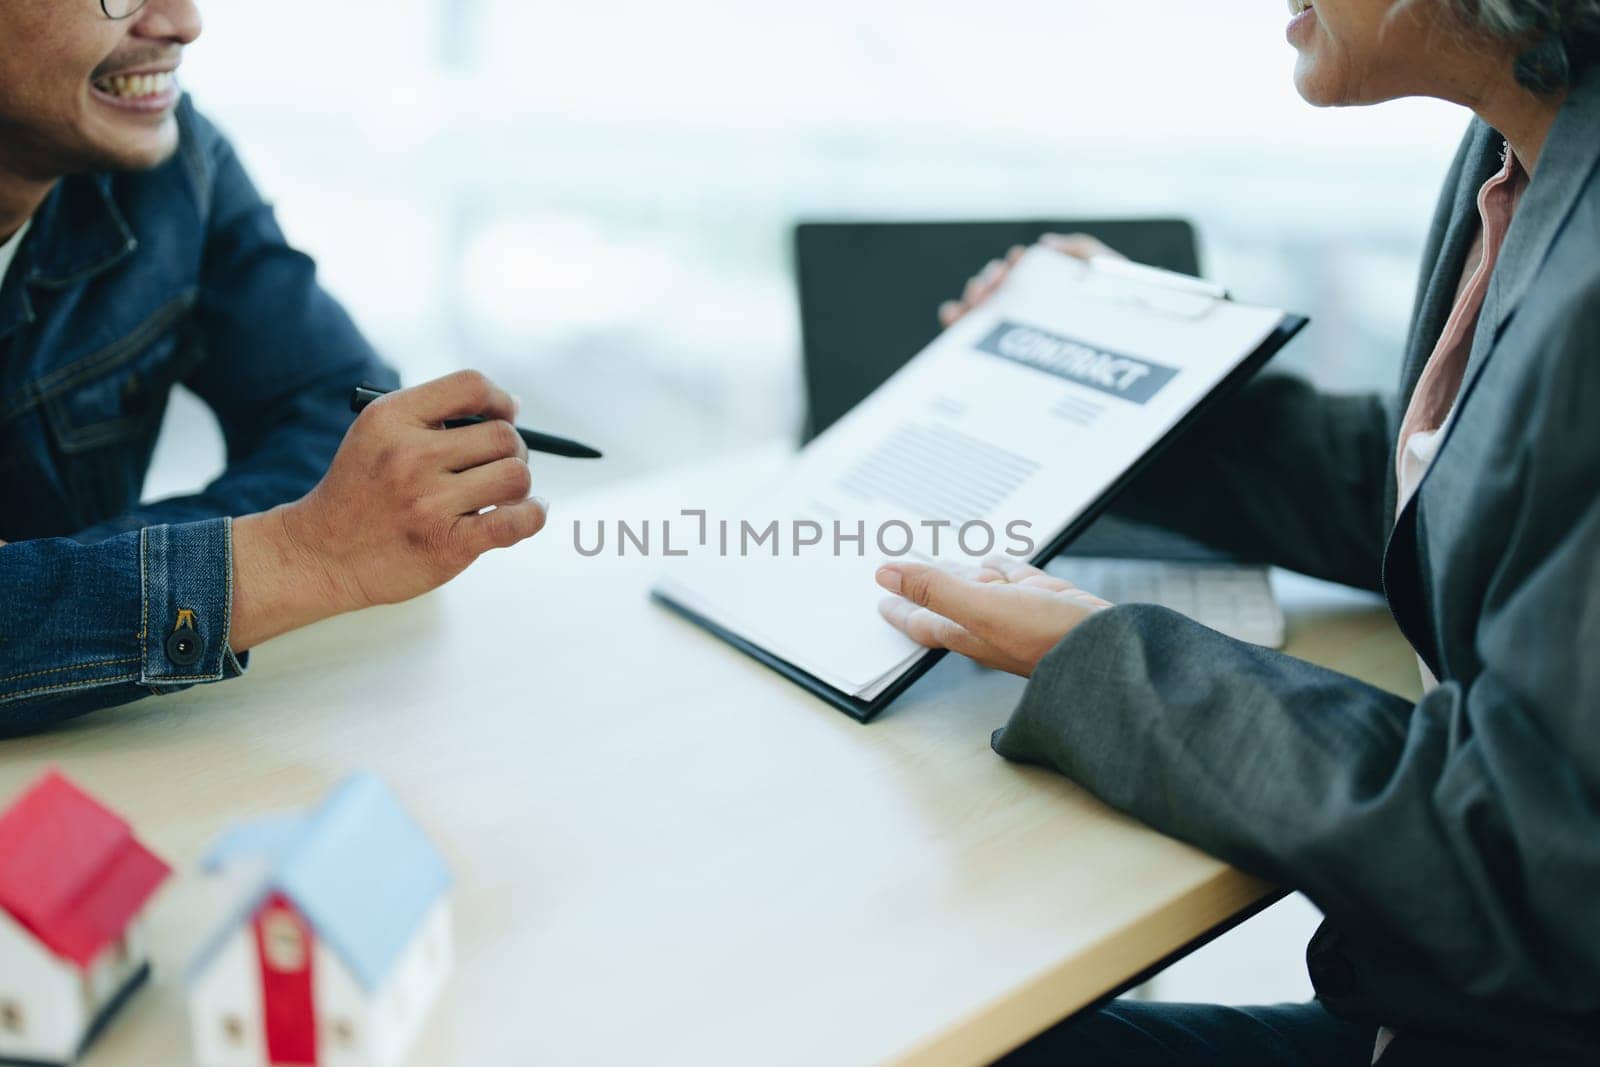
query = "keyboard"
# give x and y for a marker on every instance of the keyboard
(1230, 598)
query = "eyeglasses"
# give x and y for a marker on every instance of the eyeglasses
(118, 10)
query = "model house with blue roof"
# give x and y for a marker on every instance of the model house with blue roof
(339, 943)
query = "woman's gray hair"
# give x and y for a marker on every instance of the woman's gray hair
(1559, 37)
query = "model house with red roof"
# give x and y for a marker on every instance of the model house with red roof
(73, 888)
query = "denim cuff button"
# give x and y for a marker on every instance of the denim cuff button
(184, 647)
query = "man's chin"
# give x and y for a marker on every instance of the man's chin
(144, 149)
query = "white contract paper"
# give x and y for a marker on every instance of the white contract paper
(1015, 421)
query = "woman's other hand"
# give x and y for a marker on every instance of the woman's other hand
(1006, 615)
(982, 286)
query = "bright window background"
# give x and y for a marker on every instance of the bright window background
(591, 201)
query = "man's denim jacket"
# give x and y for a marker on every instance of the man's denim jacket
(125, 285)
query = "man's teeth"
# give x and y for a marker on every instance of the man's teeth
(134, 86)
(1300, 6)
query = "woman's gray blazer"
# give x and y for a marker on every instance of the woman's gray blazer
(1454, 844)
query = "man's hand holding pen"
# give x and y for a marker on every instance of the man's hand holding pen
(406, 505)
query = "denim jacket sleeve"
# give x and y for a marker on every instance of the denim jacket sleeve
(92, 625)
(141, 604)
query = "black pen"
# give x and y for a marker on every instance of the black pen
(366, 393)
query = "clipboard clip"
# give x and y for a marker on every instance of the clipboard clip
(1163, 292)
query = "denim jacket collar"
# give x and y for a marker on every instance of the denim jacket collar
(78, 232)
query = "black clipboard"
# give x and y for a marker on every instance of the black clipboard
(864, 711)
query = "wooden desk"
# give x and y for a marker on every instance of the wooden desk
(665, 853)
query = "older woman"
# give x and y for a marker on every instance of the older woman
(1453, 844)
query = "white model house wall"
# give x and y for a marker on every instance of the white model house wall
(354, 1030)
(111, 969)
(377, 1031)
(404, 1000)
(42, 1005)
(225, 1006)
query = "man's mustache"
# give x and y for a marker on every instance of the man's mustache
(138, 59)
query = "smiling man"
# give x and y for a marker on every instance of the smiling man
(135, 254)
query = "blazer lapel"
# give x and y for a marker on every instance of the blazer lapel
(1571, 154)
(1455, 228)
